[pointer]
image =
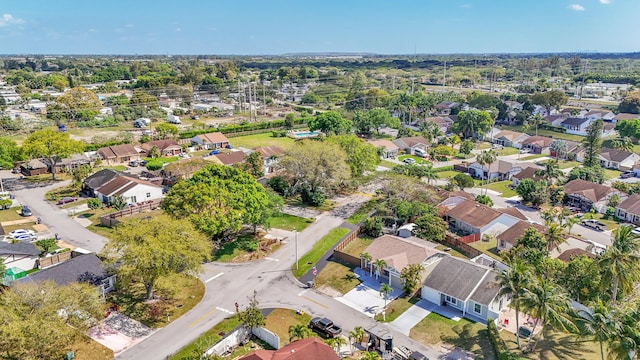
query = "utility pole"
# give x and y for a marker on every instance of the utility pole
(250, 107)
(239, 95)
(444, 77)
(264, 100)
(475, 72)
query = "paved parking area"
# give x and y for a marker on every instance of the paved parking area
(365, 297)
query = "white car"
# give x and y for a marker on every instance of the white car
(25, 237)
(636, 231)
(21, 232)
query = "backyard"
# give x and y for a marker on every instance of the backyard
(308, 260)
(503, 187)
(279, 321)
(556, 346)
(265, 139)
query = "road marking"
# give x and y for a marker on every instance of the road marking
(272, 259)
(201, 318)
(302, 292)
(213, 278)
(225, 310)
(315, 302)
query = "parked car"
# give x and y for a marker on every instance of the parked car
(524, 151)
(143, 162)
(229, 146)
(409, 161)
(524, 332)
(16, 170)
(214, 152)
(497, 146)
(627, 174)
(25, 237)
(325, 327)
(26, 211)
(636, 231)
(133, 163)
(19, 232)
(594, 224)
(66, 200)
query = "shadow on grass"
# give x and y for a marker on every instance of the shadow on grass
(469, 337)
(243, 243)
(562, 346)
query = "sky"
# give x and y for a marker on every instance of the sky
(274, 27)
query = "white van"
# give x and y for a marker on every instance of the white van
(174, 119)
(420, 152)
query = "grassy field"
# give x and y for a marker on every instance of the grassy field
(532, 157)
(397, 307)
(507, 151)
(265, 139)
(177, 293)
(114, 167)
(89, 349)
(611, 174)
(337, 276)
(503, 188)
(448, 174)
(387, 164)
(556, 346)
(357, 246)
(308, 260)
(435, 329)
(362, 212)
(544, 132)
(11, 214)
(418, 159)
(290, 222)
(279, 321)
(206, 340)
(568, 164)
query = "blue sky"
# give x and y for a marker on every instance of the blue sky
(286, 26)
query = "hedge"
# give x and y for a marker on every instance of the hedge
(230, 129)
(94, 147)
(444, 168)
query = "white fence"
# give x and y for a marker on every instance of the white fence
(267, 336)
(239, 335)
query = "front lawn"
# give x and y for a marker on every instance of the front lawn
(308, 260)
(556, 346)
(418, 159)
(66, 191)
(611, 174)
(388, 164)
(197, 347)
(167, 160)
(397, 307)
(87, 348)
(357, 246)
(435, 329)
(447, 174)
(338, 277)
(174, 295)
(289, 222)
(567, 164)
(507, 151)
(279, 321)
(533, 157)
(503, 188)
(265, 139)
(11, 214)
(244, 248)
(114, 167)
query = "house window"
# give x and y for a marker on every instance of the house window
(451, 300)
(148, 195)
(477, 308)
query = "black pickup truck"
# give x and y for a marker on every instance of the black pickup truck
(325, 327)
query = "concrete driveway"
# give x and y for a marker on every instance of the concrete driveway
(410, 318)
(366, 297)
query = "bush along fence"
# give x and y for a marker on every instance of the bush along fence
(343, 257)
(112, 219)
(245, 127)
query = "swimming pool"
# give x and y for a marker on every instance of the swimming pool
(304, 134)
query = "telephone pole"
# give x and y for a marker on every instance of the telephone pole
(444, 77)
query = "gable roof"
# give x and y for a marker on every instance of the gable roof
(305, 349)
(473, 213)
(626, 116)
(383, 143)
(35, 164)
(19, 248)
(408, 142)
(70, 271)
(571, 254)
(100, 178)
(542, 141)
(575, 121)
(269, 151)
(487, 290)
(399, 252)
(590, 190)
(631, 204)
(121, 184)
(121, 150)
(528, 173)
(517, 230)
(214, 137)
(513, 212)
(510, 135)
(458, 278)
(231, 158)
(615, 154)
(160, 144)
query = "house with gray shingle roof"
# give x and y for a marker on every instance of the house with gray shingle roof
(18, 257)
(617, 159)
(629, 209)
(464, 286)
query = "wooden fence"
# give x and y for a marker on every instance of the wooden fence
(111, 220)
(453, 240)
(53, 259)
(471, 238)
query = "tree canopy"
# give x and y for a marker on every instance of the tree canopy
(473, 123)
(361, 156)
(368, 120)
(78, 103)
(51, 145)
(10, 152)
(330, 122)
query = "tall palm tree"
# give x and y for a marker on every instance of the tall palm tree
(625, 343)
(336, 343)
(551, 171)
(548, 304)
(569, 222)
(555, 236)
(620, 264)
(535, 121)
(598, 323)
(512, 283)
(487, 157)
(385, 290)
(379, 264)
(298, 332)
(549, 215)
(622, 143)
(357, 334)
(429, 172)
(365, 258)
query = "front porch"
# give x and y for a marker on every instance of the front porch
(451, 312)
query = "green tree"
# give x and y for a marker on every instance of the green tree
(357, 334)
(365, 258)
(487, 157)
(593, 143)
(431, 227)
(630, 103)
(559, 147)
(370, 355)
(80, 173)
(118, 202)
(513, 281)
(252, 316)
(47, 245)
(51, 145)
(43, 320)
(94, 203)
(253, 164)
(410, 276)
(484, 199)
(629, 128)
(379, 264)
(336, 343)
(79, 104)
(550, 172)
(330, 122)
(622, 143)
(463, 181)
(150, 249)
(581, 279)
(10, 152)
(593, 174)
(466, 147)
(473, 123)
(482, 101)
(365, 121)
(555, 236)
(553, 99)
(385, 290)
(165, 130)
(620, 263)
(361, 156)
(218, 200)
(531, 248)
(298, 332)
(372, 226)
(534, 192)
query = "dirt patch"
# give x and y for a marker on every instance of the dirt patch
(329, 291)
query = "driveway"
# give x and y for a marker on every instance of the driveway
(410, 318)
(365, 297)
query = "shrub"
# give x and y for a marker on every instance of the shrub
(372, 226)
(154, 164)
(279, 185)
(94, 203)
(311, 197)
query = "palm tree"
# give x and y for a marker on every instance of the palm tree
(429, 172)
(620, 263)
(370, 355)
(626, 342)
(336, 343)
(548, 304)
(298, 332)
(549, 215)
(487, 157)
(555, 236)
(622, 143)
(599, 323)
(536, 120)
(569, 222)
(365, 258)
(512, 282)
(453, 140)
(551, 171)
(380, 265)
(357, 334)
(385, 290)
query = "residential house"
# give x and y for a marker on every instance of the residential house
(625, 116)
(34, 167)
(167, 147)
(210, 141)
(575, 151)
(98, 179)
(410, 144)
(556, 120)
(600, 114)
(538, 144)
(470, 217)
(499, 169)
(508, 238)
(74, 161)
(510, 138)
(609, 129)
(568, 255)
(636, 169)
(526, 173)
(576, 126)
(629, 209)
(17, 258)
(83, 268)
(586, 195)
(444, 123)
(230, 158)
(132, 189)
(389, 149)
(465, 286)
(270, 156)
(118, 154)
(399, 253)
(514, 105)
(445, 107)
(617, 159)
(311, 348)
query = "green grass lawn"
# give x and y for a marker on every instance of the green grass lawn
(482, 146)
(452, 252)
(87, 348)
(114, 167)
(357, 246)
(567, 164)
(308, 260)
(388, 164)
(11, 214)
(507, 151)
(243, 248)
(279, 321)
(265, 139)
(164, 159)
(533, 157)
(197, 347)
(544, 132)
(503, 188)
(289, 222)
(177, 294)
(338, 277)
(73, 204)
(447, 174)
(418, 159)
(556, 346)
(488, 247)
(363, 211)
(611, 174)
(297, 201)
(397, 307)
(435, 329)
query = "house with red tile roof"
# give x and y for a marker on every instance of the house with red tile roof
(305, 349)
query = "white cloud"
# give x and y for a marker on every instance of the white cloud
(129, 26)
(8, 19)
(466, 6)
(606, 2)
(576, 7)
(178, 29)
